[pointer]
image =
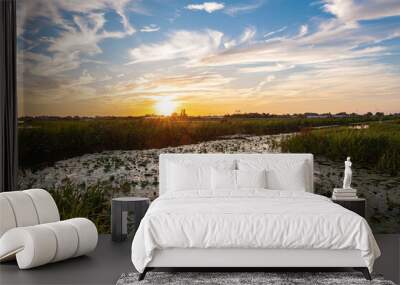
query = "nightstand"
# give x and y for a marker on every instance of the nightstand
(119, 215)
(356, 205)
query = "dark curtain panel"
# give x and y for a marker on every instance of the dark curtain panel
(8, 97)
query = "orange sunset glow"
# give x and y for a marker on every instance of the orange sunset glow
(323, 58)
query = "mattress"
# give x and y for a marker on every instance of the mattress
(251, 219)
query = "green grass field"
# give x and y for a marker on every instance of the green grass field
(377, 146)
(45, 141)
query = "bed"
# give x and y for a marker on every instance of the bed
(247, 211)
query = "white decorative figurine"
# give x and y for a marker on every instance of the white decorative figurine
(347, 174)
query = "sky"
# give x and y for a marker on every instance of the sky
(132, 57)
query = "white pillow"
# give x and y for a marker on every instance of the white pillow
(291, 176)
(281, 174)
(185, 178)
(251, 178)
(187, 175)
(223, 179)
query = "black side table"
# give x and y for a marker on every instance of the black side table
(119, 215)
(356, 205)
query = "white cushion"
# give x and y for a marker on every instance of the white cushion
(23, 208)
(184, 175)
(7, 219)
(263, 159)
(251, 178)
(26, 208)
(281, 174)
(67, 240)
(87, 233)
(223, 179)
(45, 205)
(32, 246)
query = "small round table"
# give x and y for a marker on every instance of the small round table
(119, 215)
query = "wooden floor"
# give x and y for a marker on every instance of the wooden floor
(110, 260)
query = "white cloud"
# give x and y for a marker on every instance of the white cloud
(77, 37)
(229, 43)
(352, 11)
(271, 78)
(119, 6)
(248, 34)
(303, 31)
(52, 10)
(266, 68)
(287, 51)
(246, 37)
(83, 38)
(243, 8)
(209, 7)
(335, 81)
(137, 6)
(334, 32)
(267, 35)
(45, 65)
(85, 78)
(333, 40)
(261, 84)
(180, 44)
(149, 29)
(231, 10)
(336, 59)
(276, 39)
(177, 84)
(68, 48)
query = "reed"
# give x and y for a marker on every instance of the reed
(45, 141)
(91, 202)
(377, 146)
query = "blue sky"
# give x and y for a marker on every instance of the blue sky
(130, 57)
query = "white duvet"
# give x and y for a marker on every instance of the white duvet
(250, 219)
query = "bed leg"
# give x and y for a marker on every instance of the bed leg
(142, 275)
(364, 271)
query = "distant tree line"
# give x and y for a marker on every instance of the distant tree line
(184, 115)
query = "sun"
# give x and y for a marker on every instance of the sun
(165, 106)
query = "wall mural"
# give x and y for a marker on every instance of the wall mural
(105, 86)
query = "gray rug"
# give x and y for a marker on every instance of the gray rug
(269, 278)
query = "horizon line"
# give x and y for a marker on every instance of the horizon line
(214, 115)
